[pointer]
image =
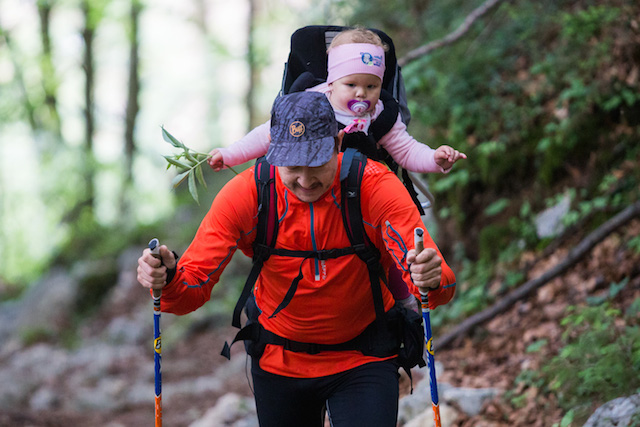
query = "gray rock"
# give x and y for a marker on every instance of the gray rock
(620, 412)
(549, 222)
(469, 400)
(231, 410)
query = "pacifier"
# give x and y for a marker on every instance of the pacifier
(358, 107)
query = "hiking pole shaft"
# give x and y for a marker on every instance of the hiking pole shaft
(419, 243)
(154, 246)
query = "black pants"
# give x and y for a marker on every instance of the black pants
(365, 396)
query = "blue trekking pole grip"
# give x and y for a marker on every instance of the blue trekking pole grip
(418, 237)
(154, 246)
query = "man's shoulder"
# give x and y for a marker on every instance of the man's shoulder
(380, 182)
(376, 169)
(372, 170)
(241, 188)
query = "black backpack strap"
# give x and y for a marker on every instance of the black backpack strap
(266, 234)
(351, 173)
(387, 118)
(266, 231)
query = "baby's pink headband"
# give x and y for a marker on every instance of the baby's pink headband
(355, 58)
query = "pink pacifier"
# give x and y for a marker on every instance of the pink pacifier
(358, 107)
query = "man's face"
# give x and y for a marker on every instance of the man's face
(309, 183)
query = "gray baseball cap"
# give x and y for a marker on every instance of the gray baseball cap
(303, 128)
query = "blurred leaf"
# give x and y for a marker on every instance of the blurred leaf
(178, 179)
(496, 207)
(536, 346)
(189, 156)
(171, 139)
(200, 176)
(177, 163)
(193, 189)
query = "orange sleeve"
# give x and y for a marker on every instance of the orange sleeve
(228, 226)
(394, 218)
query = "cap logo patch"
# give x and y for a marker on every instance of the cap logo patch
(296, 129)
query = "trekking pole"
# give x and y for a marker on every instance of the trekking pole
(154, 246)
(419, 243)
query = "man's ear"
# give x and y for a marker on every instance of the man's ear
(339, 140)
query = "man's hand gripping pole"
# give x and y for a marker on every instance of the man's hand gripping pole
(419, 244)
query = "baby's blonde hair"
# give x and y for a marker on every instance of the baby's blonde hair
(357, 35)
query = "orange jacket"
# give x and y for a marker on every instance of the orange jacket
(333, 301)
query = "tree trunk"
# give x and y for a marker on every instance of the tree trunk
(29, 109)
(133, 105)
(49, 80)
(253, 65)
(88, 34)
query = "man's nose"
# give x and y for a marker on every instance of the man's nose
(306, 178)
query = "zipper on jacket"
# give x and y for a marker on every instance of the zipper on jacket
(313, 243)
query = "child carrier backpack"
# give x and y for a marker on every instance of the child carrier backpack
(398, 331)
(307, 67)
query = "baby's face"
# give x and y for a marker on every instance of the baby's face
(356, 90)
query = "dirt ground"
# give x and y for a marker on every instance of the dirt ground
(493, 356)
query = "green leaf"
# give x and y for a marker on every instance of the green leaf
(177, 163)
(179, 179)
(192, 187)
(496, 207)
(200, 176)
(536, 346)
(171, 139)
(189, 156)
(567, 419)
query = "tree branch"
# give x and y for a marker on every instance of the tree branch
(451, 37)
(529, 287)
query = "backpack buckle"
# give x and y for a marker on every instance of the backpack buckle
(301, 347)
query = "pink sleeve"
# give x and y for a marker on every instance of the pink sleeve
(409, 153)
(249, 147)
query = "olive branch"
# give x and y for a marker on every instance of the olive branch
(189, 165)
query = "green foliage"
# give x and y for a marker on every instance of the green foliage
(634, 244)
(526, 378)
(583, 25)
(189, 165)
(536, 346)
(528, 96)
(600, 360)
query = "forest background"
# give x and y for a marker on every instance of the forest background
(544, 98)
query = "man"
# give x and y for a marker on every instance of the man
(332, 302)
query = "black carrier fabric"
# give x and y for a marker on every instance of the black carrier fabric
(394, 332)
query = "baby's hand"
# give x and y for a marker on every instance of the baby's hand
(446, 156)
(215, 161)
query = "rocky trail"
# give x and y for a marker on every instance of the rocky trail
(105, 377)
